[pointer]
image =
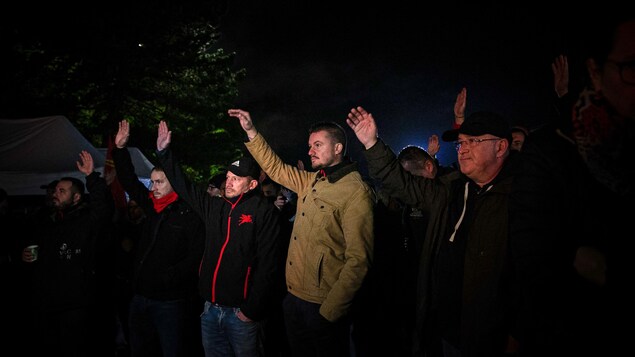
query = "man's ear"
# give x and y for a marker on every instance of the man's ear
(503, 145)
(76, 197)
(253, 184)
(338, 148)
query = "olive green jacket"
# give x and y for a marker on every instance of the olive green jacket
(331, 245)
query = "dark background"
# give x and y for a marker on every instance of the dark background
(405, 62)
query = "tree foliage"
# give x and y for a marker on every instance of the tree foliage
(146, 66)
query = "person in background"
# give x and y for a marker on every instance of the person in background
(14, 296)
(65, 275)
(573, 201)
(393, 277)
(164, 306)
(331, 245)
(50, 190)
(127, 231)
(215, 185)
(519, 135)
(273, 335)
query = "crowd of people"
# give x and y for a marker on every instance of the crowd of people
(517, 249)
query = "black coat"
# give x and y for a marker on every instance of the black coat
(64, 275)
(558, 207)
(171, 243)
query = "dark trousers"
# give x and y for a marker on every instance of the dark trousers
(156, 326)
(62, 333)
(310, 334)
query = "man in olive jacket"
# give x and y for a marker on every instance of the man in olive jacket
(332, 240)
(465, 291)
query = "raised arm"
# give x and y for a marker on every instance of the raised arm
(245, 122)
(363, 124)
(123, 134)
(85, 163)
(433, 145)
(125, 169)
(164, 136)
(459, 107)
(560, 69)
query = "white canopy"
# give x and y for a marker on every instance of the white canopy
(34, 152)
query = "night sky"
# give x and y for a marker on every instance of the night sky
(403, 65)
(311, 61)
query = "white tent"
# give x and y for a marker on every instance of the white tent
(34, 152)
(142, 166)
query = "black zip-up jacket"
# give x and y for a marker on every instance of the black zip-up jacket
(171, 242)
(65, 275)
(244, 254)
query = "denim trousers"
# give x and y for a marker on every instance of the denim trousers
(157, 325)
(224, 334)
(310, 334)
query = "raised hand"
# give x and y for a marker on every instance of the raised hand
(85, 163)
(459, 107)
(560, 69)
(121, 140)
(164, 136)
(245, 121)
(433, 145)
(363, 124)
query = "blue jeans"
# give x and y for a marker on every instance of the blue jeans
(157, 325)
(224, 334)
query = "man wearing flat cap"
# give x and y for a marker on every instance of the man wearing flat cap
(243, 262)
(464, 292)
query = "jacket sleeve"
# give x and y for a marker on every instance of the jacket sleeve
(127, 177)
(268, 267)
(101, 202)
(287, 175)
(195, 196)
(412, 190)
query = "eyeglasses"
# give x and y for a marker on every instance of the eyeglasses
(471, 142)
(627, 70)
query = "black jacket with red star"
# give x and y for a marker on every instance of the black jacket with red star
(244, 254)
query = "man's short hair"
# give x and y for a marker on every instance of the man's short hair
(77, 186)
(335, 131)
(413, 153)
(520, 129)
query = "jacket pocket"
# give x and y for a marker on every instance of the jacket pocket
(316, 269)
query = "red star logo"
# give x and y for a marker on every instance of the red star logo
(245, 218)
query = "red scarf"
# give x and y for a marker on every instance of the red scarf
(161, 203)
